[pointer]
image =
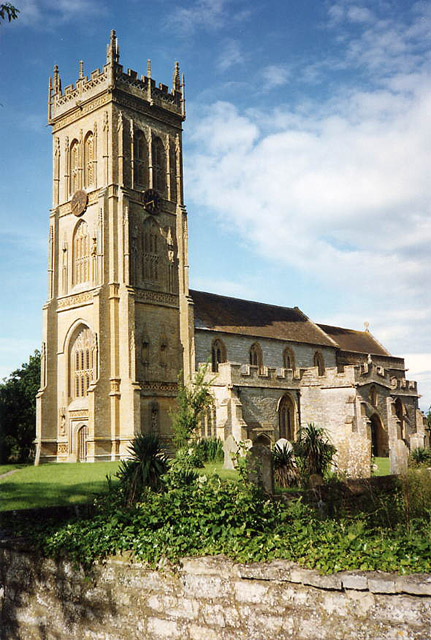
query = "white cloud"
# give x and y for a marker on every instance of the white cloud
(50, 13)
(230, 55)
(275, 75)
(339, 189)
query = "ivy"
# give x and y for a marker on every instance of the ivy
(205, 516)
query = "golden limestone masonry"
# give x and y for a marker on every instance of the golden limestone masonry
(120, 322)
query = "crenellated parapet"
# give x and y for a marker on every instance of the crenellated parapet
(113, 77)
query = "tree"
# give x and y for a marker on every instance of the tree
(18, 411)
(192, 400)
(8, 11)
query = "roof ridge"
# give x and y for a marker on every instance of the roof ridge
(265, 304)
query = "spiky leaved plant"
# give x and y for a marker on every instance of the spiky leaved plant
(147, 463)
(286, 471)
(314, 450)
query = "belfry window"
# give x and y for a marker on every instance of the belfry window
(74, 167)
(152, 248)
(140, 159)
(89, 160)
(319, 362)
(82, 363)
(218, 354)
(173, 173)
(159, 165)
(81, 254)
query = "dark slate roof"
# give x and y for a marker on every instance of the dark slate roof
(357, 341)
(243, 317)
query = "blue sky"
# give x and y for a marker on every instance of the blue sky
(307, 153)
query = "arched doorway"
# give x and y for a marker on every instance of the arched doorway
(286, 418)
(379, 438)
(82, 443)
(263, 439)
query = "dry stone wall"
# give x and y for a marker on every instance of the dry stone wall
(206, 599)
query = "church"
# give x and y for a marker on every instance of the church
(120, 322)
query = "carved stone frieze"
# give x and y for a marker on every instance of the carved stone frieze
(78, 413)
(76, 299)
(62, 449)
(84, 109)
(171, 387)
(157, 297)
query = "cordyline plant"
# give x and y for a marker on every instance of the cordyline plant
(192, 400)
(313, 450)
(145, 467)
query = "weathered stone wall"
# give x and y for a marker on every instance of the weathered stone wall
(207, 599)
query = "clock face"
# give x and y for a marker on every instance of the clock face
(151, 201)
(79, 202)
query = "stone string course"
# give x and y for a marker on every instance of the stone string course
(206, 599)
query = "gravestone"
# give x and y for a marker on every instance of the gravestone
(230, 447)
(260, 467)
(282, 443)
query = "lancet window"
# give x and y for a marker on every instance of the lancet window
(159, 165)
(82, 363)
(89, 158)
(173, 173)
(319, 362)
(288, 358)
(208, 422)
(286, 418)
(74, 167)
(152, 245)
(255, 354)
(81, 254)
(140, 150)
(218, 354)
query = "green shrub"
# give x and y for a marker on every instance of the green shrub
(420, 457)
(212, 449)
(416, 493)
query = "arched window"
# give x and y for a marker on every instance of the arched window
(74, 167)
(173, 173)
(140, 148)
(152, 245)
(319, 362)
(288, 358)
(218, 354)
(208, 422)
(82, 363)
(81, 253)
(256, 355)
(399, 412)
(159, 165)
(89, 160)
(373, 396)
(286, 418)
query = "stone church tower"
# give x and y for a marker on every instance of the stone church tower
(116, 323)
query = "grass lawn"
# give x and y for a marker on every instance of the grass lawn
(5, 468)
(217, 467)
(53, 484)
(383, 467)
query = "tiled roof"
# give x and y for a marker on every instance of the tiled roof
(243, 317)
(358, 341)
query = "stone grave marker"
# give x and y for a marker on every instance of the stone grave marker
(230, 447)
(260, 467)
